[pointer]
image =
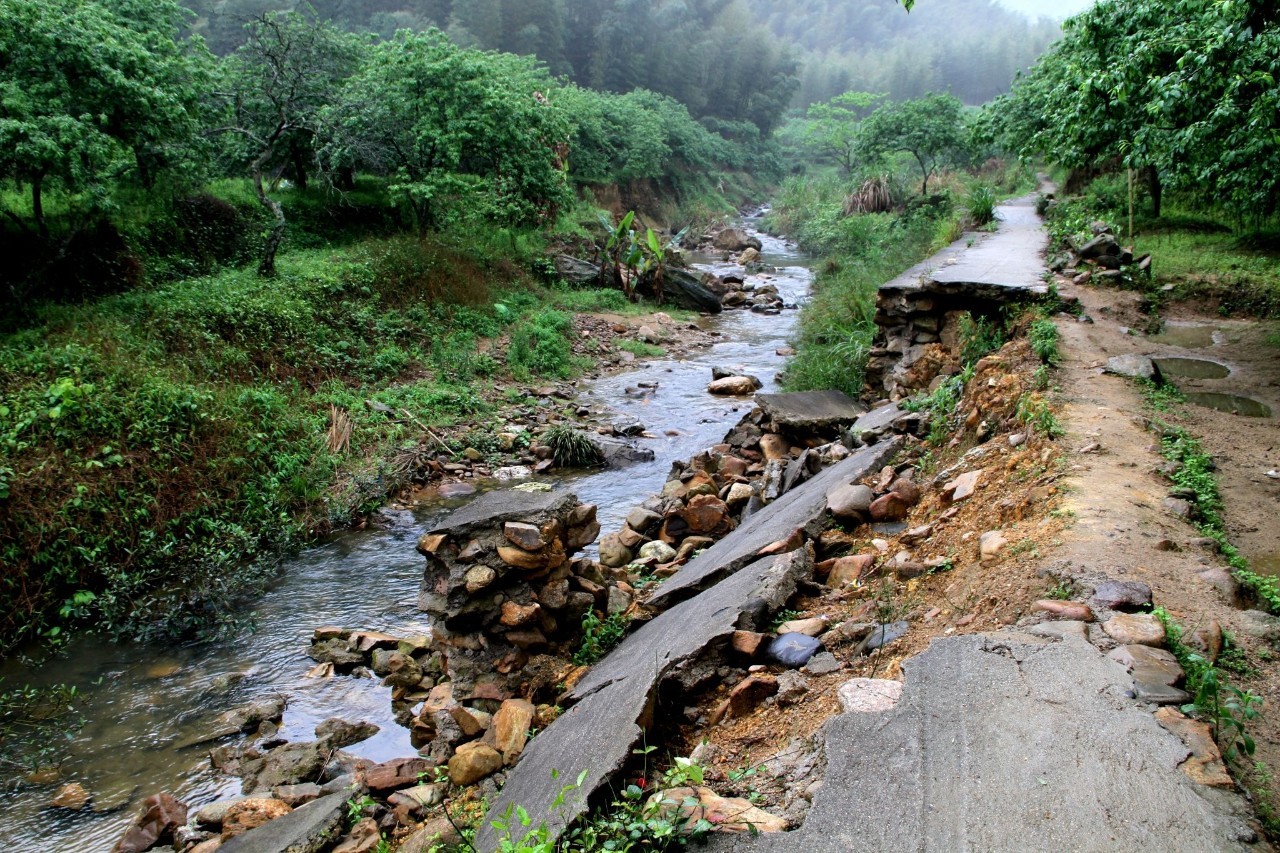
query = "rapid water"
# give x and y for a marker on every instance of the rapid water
(143, 701)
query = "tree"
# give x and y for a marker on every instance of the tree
(84, 84)
(834, 128)
(1194, 103)
(456, 129)
(930, 129)
(274, 89)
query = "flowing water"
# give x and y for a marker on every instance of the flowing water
(142, 702)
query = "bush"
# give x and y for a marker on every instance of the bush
(540, 345)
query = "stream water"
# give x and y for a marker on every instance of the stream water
(143, 701)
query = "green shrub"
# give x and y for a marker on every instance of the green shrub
(540, 345)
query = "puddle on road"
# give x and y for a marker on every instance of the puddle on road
(1190, 337)
(1192, 368)
(1232, 403)
(1267, 564)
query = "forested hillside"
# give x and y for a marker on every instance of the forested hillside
(972, 49)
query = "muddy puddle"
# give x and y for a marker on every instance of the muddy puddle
(1187, 336)
(1231, 403)
(1192, 368)
(142, 701)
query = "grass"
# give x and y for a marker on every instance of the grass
(642, 349)
(572, 448)
(1225, 267)
(161, 447)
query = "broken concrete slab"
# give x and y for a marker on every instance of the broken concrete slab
(504, 505)
(306, 829)
(808, 411)
(609, 710)
(877, 421)
(1003, 744)
(800, 508)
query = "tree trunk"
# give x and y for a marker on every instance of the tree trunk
(346, 178)
(1155, 188)
(299, 167)
(37, 203)
(267, 268)
(924, 187)
(146, 175)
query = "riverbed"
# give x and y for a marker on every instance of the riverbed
(143, 701)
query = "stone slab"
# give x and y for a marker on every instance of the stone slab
(809, 410)
(496, 507)
(306, 829)
(800, 507)
(877, 420)
(610, 708)
(1001, 743)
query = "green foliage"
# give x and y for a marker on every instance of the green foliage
(36, 725)
(1193, 103)
(1034, 411)
(980, 205)
(642, 349)
(1228, 709)
(928, 128)
(572, 448)
(540, 345)
(941, 404)
(599, 636)
(979, 336)
(1043, 335)
(1195, 472)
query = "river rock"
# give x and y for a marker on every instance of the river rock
(1155, 672)
(613, 553)
(511, 726)
(293, 795)
(1121, 595)
(657, 550)
(793, 650)
(1133, 366)
(809, 627)
(883, 635)
(472, 762)
(289, 764)
(364, 837)
(890, 507)
(739, 386)
(735, 240)
(72, 796)
(643, 520)
(1135, 629)
(337, 733)
(850, 502)
(160, 817)
(850, 569)
(337, 652)
(250, 814)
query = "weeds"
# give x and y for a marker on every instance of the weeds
(940, 404)
(980, 205)
(599, 636)
(1194, 472)
(980, 336)
(641, 349)
(1043, 335)
(572, 448)
(1228, 709)
(1034, 411)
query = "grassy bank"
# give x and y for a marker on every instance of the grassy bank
(858, 252)
(158, 448)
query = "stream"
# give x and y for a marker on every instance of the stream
(143, 701)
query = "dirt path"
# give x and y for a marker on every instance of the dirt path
(1121, 528)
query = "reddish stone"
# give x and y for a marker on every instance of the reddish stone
(748, 643)
(1065, 609)
(890, 507)
(750, 692)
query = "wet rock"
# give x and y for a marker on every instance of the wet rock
(1072, 610)
(307, 829)
(1135, 629)
(1121, 595)
(250, 814)
(337, 733)
(210, 816)
(456, 490)
(869, 695)
(750, 693)
(526, 536)
(735, 240)
(739, 386)
(285, 765)
(337, 652)
(160, 817)
(613, 553)
(793, 650)
(395, 774)
(293, 795)
(473, 762)
(72, 796)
